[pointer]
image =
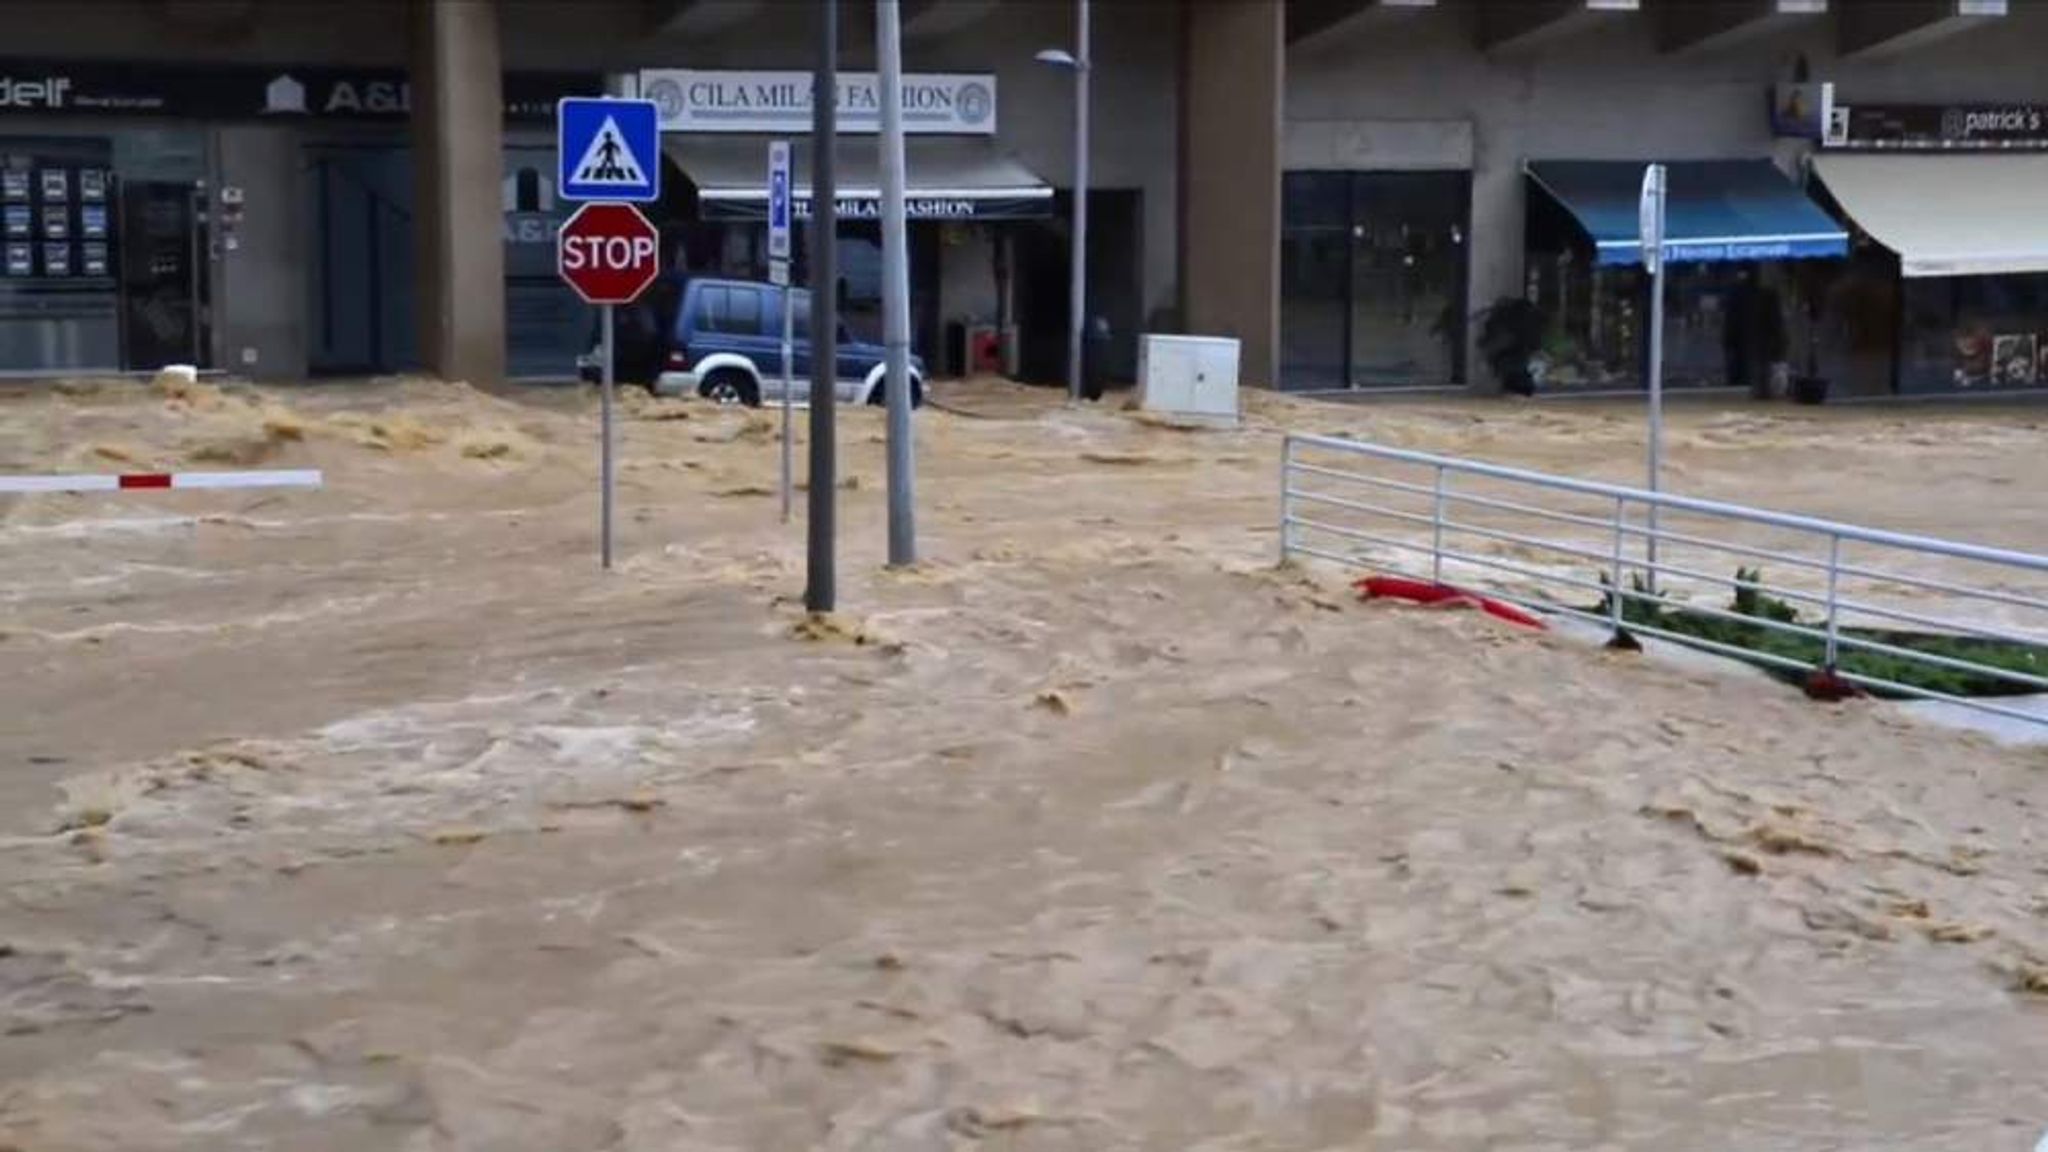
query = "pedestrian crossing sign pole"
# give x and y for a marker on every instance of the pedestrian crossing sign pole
(607, 149)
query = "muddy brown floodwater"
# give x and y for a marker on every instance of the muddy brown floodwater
(378, 818)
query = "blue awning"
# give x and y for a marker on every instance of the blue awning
(1714, 210)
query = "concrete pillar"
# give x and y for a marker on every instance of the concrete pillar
(1233, 69)
(260, 298)
(458, 110)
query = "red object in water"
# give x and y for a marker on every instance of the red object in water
(1828, 685)
(987, 352)
(1443, 596)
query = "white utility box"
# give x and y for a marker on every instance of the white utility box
(1191, 376)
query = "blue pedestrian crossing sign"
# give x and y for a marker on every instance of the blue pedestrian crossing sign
(607, 149)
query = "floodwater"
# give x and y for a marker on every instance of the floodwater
(379, 818)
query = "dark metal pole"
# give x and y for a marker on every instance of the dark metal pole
(820, 593)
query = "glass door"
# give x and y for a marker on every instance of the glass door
(1407, 290)
(162, 256)
(1315, 274)
(1372, 279)
(363, 272)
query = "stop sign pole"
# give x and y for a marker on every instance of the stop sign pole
(609, 254)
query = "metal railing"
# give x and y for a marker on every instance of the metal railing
(1848, 602)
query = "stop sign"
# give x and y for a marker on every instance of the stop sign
(608, 252)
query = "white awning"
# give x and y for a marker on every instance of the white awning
(946, 177)
(1947, 214)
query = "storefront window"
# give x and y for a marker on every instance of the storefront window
(105, 252)
(1726, 323)
(1315, 274)
(1372, 274)
(1857, 330)
(1593, 333)
(1974, 333)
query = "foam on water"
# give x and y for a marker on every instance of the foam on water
(112, 526)
(335, 606)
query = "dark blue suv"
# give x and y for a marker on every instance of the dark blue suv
(725, 344)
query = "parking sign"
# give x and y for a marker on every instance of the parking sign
(778, 199)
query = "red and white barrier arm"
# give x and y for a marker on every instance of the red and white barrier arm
(117, 481)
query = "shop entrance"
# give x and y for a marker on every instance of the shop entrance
(363, 275)
(1040, 257)
(363, 271)
(1041, 254)
(1373, 268)
(106, 254)
(162, 271)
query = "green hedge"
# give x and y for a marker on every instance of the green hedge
(1641, 608)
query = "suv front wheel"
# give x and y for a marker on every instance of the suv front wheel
(730, 386)
(879, 398)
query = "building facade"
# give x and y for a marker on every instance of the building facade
(1442, 157)
(284, 190)
(1355, 189)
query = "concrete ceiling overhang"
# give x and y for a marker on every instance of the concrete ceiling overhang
(1888, 27)
(921, 19)
(1701, 26)
(1313, 20)
(1507, 26)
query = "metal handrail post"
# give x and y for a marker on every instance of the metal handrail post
(1614, 590)
(1834, 608)
(1286, 501)
(1650, 549)
(1436, 521)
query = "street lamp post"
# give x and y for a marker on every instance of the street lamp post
(896, 288)
(1078, 61)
